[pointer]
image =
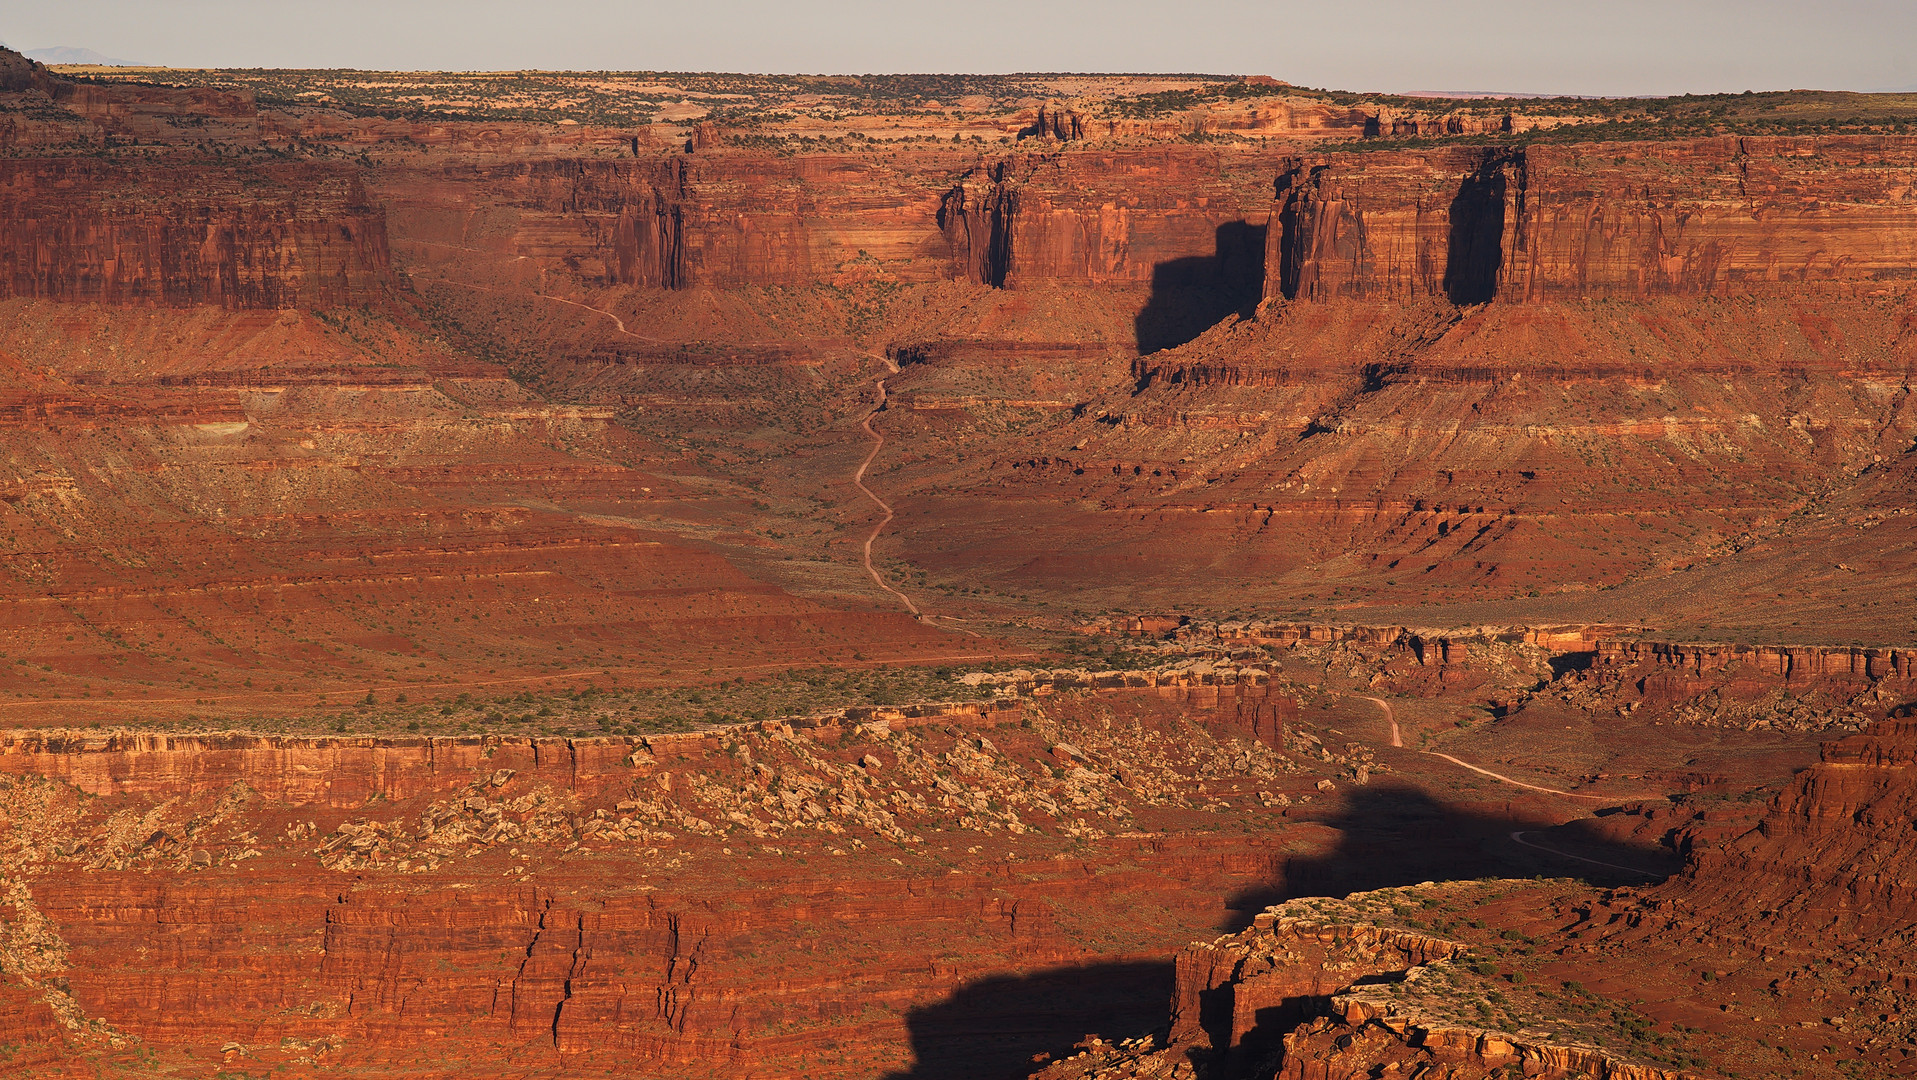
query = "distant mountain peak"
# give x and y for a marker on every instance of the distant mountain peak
(69, 54)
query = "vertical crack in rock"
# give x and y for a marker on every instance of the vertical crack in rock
(1296, 194)
(1316, 245)
(648, 237)
(518, 975)
(579, 958)
(1002, 211)
(977, 220)
(1319, 245)
(680, 969)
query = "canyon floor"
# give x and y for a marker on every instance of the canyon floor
(605, 574)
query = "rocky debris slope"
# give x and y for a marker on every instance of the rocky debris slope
(1797, 688)
(1800, 688)
(1779, 950)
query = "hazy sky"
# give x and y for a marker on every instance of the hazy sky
(1561, 46)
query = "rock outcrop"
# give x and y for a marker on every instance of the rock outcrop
(1055, 121)
(1327, 989)
(1125, 218)
(1741, 684)
(194, 227)
(1832, 860)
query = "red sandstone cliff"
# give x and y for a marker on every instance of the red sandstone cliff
(1125, 218)
(1711, 217)
(266, 235)
(183, 229)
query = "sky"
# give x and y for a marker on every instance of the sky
(1608, 47)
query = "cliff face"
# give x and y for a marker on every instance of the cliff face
(19, 75)
(977, 218)
(761, 899)
(1709, 217)
(173, 115)
(1061, 122)
(336, 772)
(167, 226)
(1181, 237)
(1130, 219)
(1238, 996)
(257, 236)
(1666, 674)
(1715, 217)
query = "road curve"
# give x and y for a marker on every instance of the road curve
(1516, 837)
(1396, 739)
(858, 477)
(617, 322)
(858, 481)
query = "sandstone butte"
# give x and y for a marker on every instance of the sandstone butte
(1405, 588)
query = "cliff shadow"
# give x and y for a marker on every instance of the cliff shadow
(1475, 244)
(1392, 835)
(1006, 1027)
(1190, 295)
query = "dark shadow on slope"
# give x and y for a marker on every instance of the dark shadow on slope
(1004, 1027)
(1564, 663)
(1190, 295)
(1395, 835)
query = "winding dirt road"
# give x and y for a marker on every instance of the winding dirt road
(858, 477)
(617, 322)
(858, 481)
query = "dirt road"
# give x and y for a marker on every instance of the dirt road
(1396, 739)
(1518, 838)
(858, 481)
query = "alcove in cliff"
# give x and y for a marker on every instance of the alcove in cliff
(1474, 253)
